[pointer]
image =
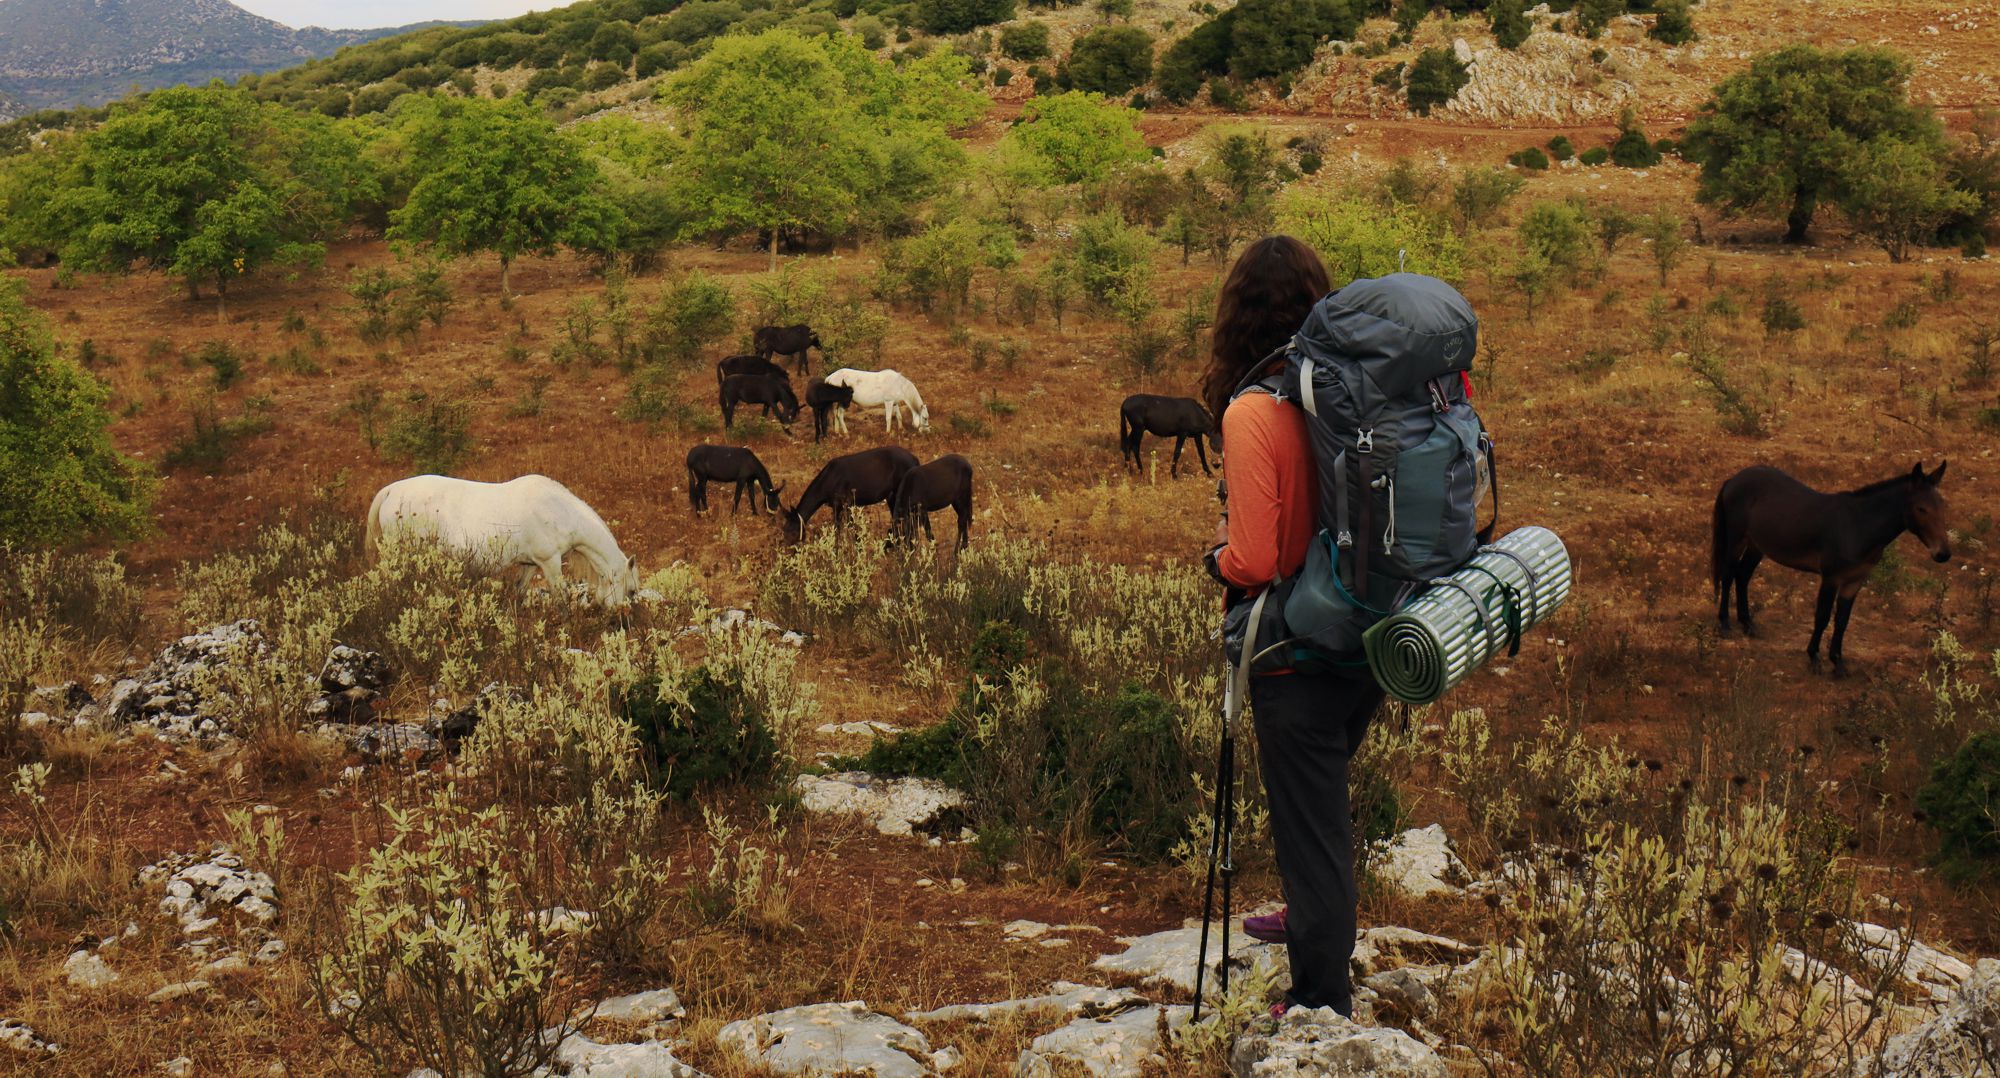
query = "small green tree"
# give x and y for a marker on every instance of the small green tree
(1025, 40)
(1278, 37)
(499, 178)
(208, 185)
(1435, 78)
(1357, 238)
(1674, 24)
(1557, 232)
(1898, 194)
(1632, 149)
(1112, 259)
(1783, 136)
(958, 16)
(1664, 230)
(1078, 137)
(1510, 23)
(1110, 60)
(61, 480)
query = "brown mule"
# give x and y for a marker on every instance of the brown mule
(1763, 512)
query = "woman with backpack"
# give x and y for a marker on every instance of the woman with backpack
(1309, 725)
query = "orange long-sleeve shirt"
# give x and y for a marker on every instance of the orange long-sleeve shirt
(1273, 491)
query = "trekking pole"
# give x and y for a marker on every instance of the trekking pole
(1219, 855)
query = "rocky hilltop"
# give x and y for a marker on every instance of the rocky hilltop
(64, 53)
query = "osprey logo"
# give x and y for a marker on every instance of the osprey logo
(1453, 347)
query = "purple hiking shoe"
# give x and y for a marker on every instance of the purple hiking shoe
(1270, 928)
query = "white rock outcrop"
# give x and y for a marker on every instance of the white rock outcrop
(903, 806)
(1961, 1040)
(1419, 863)
(834, 1038)
(19, 1036)
(1168, 958)
(84, 969)
(1119, 1046)
(580, 1057)
(1323, 1044)
(1063, 997)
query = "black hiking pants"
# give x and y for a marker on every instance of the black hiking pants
(1308, 728)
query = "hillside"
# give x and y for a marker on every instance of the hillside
(288, 796)
(67, 53)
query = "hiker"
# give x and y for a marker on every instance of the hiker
(1308, 725)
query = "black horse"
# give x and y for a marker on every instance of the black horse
(729, 464)
(823, 398)
(944, 481)
(1763, 512)
(863, 478)
(773, 391)
(790, 341)
(1179, 418)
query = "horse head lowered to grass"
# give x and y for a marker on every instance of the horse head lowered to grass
(1762, 512)
(527, 523)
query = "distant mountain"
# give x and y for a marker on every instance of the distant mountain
(66, 53)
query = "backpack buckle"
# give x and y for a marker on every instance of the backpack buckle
(1365, 440)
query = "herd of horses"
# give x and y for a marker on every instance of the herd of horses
(532, 522)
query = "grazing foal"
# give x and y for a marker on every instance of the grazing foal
(729, 464)
(1762, 512)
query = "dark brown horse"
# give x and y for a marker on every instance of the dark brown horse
(1763, 512)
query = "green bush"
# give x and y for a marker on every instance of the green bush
(61, 479)
(1781, 315)
(1674, 25)
(1110, 60)
(1189, 62)
(1532, 159)
(958, 16)
(1560, 234)
(1037, 752)
(211, 439)
(1962, 804)
(1357, 238)
(1594, 156)
(1111, 257)
(222, 361)
(432, 434)
(1025, 40)
(1223, 93)
(1277, 37)
(1510, 23)
(703, 732)
(1435, 78)
(1560, 148)
(692, 312)
(1480, 194)
(1632, 149)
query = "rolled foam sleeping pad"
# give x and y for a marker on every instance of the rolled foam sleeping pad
(1460, 621)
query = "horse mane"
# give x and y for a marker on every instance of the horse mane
(1879, 487)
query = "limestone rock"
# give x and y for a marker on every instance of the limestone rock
(172, 696)
(179, 1067)
(831, 1038)
(21, 1037)
(199, 890)
(903, 806)
(1169, 957)
(169, 993)
(656, 1005)
(1391, 946)
(1925, 966)
(86, 970)
(580, 1057)
(404, 743)
(1419, 863)
(1959, 1040)
(1071, 1000)
(1114, 1047)
(350, 682)
(1322, 1044)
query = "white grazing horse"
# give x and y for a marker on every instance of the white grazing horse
(529, 522)
(886, 388)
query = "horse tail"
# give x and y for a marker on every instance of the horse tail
(1124, 428)
(1718, 557)
(373, 536)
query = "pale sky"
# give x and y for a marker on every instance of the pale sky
(364, 14)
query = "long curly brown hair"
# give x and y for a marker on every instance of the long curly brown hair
(1269, 292)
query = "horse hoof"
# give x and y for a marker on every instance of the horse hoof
(1839, 671)
(1749, 632)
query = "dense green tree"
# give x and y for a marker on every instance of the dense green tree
(1784, 136)
(1592, 16)
(958, 16)
(61, 479)
(1632, 149)
(499, 178)
(1110, 60)
(784, 132)
(1278, 37)
(207, 185)
(1510, 23)
(1560, 234)
(1674, 24)
(1435, 78)
(1189, 62)
(1078, 137)
(1899, 194)
(1025, 40)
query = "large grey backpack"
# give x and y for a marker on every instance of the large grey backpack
(1402, 458)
